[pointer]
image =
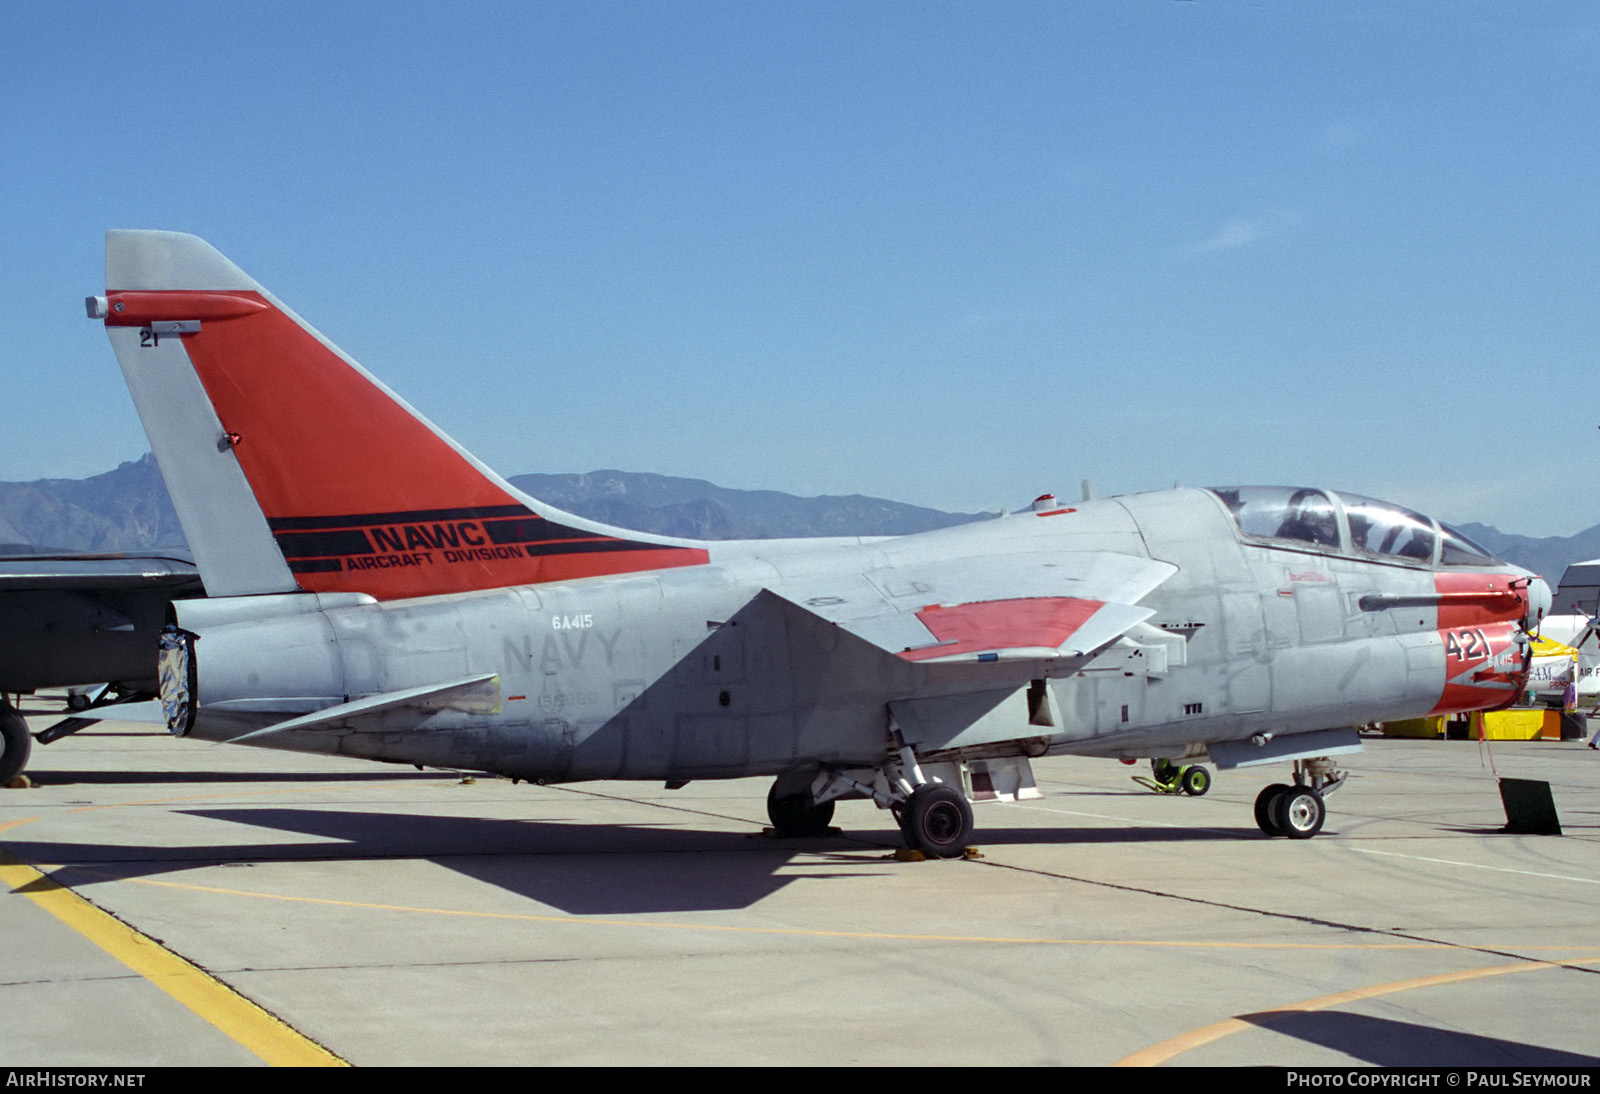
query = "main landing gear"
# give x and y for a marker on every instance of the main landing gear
(932, 810)
(1298, 811)
(15, 743)
(934, 818)
(795, 814)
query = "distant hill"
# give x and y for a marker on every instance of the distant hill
(1548, 557)
(703, 510)
(127, 509)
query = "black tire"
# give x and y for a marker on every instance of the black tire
(797, 816)
(1264, 813)
(77, 701)
(1299, 812)
(937, 821)
(15, 743)
(1196, 780)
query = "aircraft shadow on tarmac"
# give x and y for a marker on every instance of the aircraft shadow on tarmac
(581, 869)
(1388, 1043)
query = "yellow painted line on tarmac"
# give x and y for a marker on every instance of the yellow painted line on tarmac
(728, 928)
(247, 1024)
(1186, 1042)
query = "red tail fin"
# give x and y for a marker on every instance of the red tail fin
(359, 492)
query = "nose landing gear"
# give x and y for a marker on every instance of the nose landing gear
(1298, 811)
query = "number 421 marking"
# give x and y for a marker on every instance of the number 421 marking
(1466, 645)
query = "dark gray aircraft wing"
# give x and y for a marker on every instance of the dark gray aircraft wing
(69, 619)
(84, 619)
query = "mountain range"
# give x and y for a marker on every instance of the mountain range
(127, 509)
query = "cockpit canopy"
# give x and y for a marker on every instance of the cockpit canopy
(1348, 523)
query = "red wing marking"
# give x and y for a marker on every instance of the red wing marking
(1035, 622)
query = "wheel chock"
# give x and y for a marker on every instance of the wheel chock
(1530, 810)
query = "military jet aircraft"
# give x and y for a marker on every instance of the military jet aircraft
(377, 592)
(76, 619)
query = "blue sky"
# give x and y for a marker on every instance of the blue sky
(954, 254)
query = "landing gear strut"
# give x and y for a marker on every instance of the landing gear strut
(932, 810)
(1298, 811)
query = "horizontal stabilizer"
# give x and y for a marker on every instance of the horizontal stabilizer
(1033, 606)
(145, 712)
(476, 694)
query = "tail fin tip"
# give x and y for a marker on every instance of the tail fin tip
(150, 261)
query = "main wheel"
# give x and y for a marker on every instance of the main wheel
(937, 821)
(1196, 780)
(15, 744)
(1264, 802)
(1299, 812)
(798, 816)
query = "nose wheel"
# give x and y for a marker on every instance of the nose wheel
(1298, 811)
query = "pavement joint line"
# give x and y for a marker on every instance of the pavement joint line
(1412, 941)
(1185, 1042)
(243, 1021)
(1410, 944)
(1313, 921)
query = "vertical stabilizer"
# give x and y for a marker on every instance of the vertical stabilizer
(291, 467)
(226, 530)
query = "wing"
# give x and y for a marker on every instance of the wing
(85, 573)
(1017, 607)
(82, 619)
